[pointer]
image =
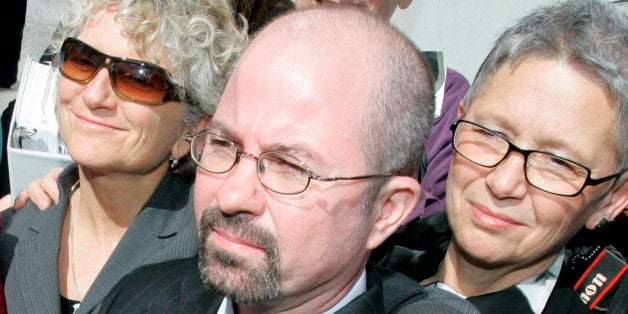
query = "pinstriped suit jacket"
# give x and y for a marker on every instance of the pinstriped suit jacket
(29, 243)
(176, 287)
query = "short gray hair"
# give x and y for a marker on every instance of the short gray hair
(587, 34)
(402, 106)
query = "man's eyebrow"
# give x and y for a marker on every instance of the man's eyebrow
(293, 149)
(221, 129)
(304, 153)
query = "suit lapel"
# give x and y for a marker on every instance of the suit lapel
(392, 292)
(194, 297)
(210, 305)
(386, 291)
(128, 255)
(370, 301)
(148, 239)
(40, 249)
(36, 255)
(563, 298)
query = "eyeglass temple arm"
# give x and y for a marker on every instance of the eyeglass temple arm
(188, 137)
(591, 181)
(370, 176)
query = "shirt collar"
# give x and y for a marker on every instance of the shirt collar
(226, 307)
(359, 287)
(538, 289)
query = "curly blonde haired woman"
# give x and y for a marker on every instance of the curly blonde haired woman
(135, 77)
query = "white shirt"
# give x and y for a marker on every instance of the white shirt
(537, 290)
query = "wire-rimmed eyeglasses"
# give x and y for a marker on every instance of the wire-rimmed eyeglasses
(545, 171)
(277, 171)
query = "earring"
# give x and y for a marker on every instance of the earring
(602, 225)
(174, 162)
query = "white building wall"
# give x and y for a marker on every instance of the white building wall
(463, 30)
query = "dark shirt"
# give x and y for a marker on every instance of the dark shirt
(418, 248)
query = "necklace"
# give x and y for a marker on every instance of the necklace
(74, 188)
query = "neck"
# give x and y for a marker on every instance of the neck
(115, 198)
(471, 277)
(315, 300)
(99, 213)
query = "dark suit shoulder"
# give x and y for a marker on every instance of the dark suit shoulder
(435, 300)
(19, 221)
(385, 291)
(13, 220)
(172, 286)
(18, 225)
(397, 289)
(391, 292)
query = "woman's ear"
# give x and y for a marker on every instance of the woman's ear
(395, 201)
(203, 123)
(182, 147)
(614, 204)
(460, 108)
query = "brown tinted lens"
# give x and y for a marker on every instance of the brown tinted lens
(79, 61)
(139, 82)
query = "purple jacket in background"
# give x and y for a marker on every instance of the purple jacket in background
(432, 172)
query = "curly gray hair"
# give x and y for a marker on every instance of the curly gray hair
(201, 38)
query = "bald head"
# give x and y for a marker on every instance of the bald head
(363, 64)
(313, 106)
(316, 23)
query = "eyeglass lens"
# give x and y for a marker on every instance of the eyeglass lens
(278, 172)
(543, 170)
(131, 79)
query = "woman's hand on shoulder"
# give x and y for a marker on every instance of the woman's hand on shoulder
(5, 202)
(42, 192)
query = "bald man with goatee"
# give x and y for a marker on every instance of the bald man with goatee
(305, 168)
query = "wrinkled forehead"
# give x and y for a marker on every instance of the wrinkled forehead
(548, 104)
(302, 77)
(291, 97)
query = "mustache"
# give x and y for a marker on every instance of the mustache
(240, 225)
(232, 275)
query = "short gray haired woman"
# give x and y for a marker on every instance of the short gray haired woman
(135, 77)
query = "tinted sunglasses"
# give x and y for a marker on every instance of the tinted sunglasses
(134, 80)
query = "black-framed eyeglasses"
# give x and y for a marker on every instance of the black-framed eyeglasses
(131, 79)
(545, 171)
(277, 171)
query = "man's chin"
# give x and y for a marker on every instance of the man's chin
(238, 258)
(244, 281)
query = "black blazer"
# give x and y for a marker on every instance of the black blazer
(176, 287)
(417, 249)
(29, 245)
